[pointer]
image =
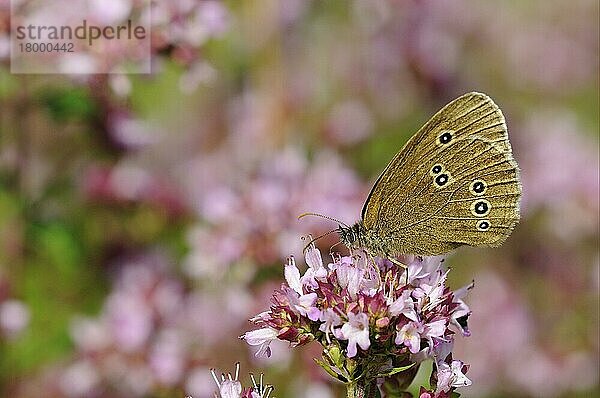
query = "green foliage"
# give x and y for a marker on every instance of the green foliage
(68, 103)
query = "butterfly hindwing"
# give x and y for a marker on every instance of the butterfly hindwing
(454, 183)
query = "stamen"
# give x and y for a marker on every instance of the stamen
(268, 391)
(214, 375)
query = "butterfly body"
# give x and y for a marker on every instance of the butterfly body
(454, 183)
(357, 236)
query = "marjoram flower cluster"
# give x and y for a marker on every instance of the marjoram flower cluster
(230, 386)
(376, 321)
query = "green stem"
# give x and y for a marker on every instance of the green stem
(362, 389)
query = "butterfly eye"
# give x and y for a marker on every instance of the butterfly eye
(480, 208)
(483, 225)
(478, 187)
(437, 169)
(442, 179)
(445, 137)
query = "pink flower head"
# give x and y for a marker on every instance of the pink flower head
(338, 304)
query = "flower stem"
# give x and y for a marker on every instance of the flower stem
(362, 389)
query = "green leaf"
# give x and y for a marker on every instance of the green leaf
(330, 370)
(334, 353)
(394, 371)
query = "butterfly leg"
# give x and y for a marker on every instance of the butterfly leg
(377, 270)
(331, 248)
(399, 264)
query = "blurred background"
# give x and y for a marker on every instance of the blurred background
(145, 218)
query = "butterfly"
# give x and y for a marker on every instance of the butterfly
(454, 183)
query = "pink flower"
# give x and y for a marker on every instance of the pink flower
(230, 386)
(430, 294)
(461, 313)
(441, 349)
(404, 305)
(262, 338)
(349, 276)
(316, 270)
(451, 376)
(306, 306)
(292, 275)
(356, 331)
(330, 320)
(419, 268)
(435, 328)
(424, 393)
(410, 336)
(230, 389)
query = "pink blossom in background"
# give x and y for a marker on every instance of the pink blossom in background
(314, 390)
(111, 11)
(149, 315)
(350, 122)
(79, 379)
(14, 317)
(200, 383)
(127, 183)
(501, 316)
(559, 164)
(253, 211)
(126, 130)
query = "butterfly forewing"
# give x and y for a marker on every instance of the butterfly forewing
(454, 183)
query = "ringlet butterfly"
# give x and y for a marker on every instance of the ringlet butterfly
(454, 183)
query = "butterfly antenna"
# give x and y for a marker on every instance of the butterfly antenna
(317, 238)
(325, 217)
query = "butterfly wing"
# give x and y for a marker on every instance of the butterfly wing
(453, 183)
